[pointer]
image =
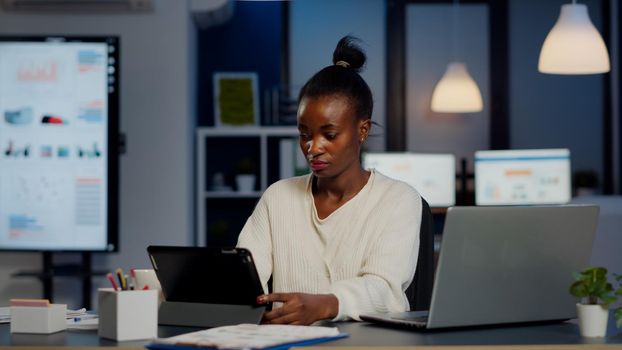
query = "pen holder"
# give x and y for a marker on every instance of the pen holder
(41, 320)
(127, 315)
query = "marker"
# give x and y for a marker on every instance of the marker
(111, 279)
(122, 281)
(133, 279)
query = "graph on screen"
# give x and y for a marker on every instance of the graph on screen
(58, 103)
(432, 175)
(521, 177)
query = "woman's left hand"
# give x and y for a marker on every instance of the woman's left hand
(300, 308)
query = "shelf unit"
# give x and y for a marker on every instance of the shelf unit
(206, 140)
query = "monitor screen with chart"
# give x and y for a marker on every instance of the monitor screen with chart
(58, 143)
(433, 175)
(522, 177)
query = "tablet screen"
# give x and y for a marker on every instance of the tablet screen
(206, 274)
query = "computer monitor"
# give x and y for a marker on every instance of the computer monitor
(433, 175)
(522, 177)
(59, 104)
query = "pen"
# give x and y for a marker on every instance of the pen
(111, 279)
(122, 281)
(84, 318)
(133, 279)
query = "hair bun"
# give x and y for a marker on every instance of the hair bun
(349, 54)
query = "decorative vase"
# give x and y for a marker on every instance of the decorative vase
(245, 182)
(592, 320)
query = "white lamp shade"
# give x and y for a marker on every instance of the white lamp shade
(574, 46)
(456, 92)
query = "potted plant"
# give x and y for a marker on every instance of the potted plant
(597, 293)
(245, 175)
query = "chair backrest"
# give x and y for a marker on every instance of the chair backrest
(419, 293)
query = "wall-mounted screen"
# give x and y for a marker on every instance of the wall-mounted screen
(58, 143)
(518, 177)
(433, 175)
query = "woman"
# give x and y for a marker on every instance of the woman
(341, 241)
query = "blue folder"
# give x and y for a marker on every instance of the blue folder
(282, 346)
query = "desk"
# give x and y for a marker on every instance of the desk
(361, 334)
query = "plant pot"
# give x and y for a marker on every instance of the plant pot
(245, 183)
(592, 320)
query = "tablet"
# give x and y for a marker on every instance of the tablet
(211, 275)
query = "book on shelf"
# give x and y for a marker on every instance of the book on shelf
(249, 336)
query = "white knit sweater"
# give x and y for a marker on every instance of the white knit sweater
(365, 252)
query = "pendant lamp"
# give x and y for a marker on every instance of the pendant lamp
(574, 46)
(456, 92)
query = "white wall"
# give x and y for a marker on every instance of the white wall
(315, 28)
(552, 111)
(429, 48)
(157, 111)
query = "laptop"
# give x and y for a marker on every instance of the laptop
(504, 265)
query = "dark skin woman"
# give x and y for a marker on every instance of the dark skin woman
(331, 136)
(341, 241)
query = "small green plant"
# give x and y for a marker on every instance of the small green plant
(245, 166)
(592, 285)
(594, 288)
(617, 313)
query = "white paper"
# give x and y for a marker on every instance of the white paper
(250, 336)
(5, 314)
(86, 321)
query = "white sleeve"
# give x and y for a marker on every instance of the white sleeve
(390, 267)
(256, 237)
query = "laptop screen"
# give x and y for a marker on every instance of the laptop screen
(519, 177)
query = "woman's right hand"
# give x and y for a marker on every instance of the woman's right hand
(299, 308)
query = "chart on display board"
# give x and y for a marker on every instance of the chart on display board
(58, 139)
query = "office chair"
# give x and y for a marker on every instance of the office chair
(419, 293)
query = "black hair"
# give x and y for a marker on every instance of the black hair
(342, 78)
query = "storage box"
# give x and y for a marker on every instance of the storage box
(128, 315)
(40, 320)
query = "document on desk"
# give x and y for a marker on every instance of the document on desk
(83, 322)
(250, 336)
(5, 314)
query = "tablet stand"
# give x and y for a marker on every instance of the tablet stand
(174, 313)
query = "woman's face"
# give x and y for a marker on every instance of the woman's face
(330, 134)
